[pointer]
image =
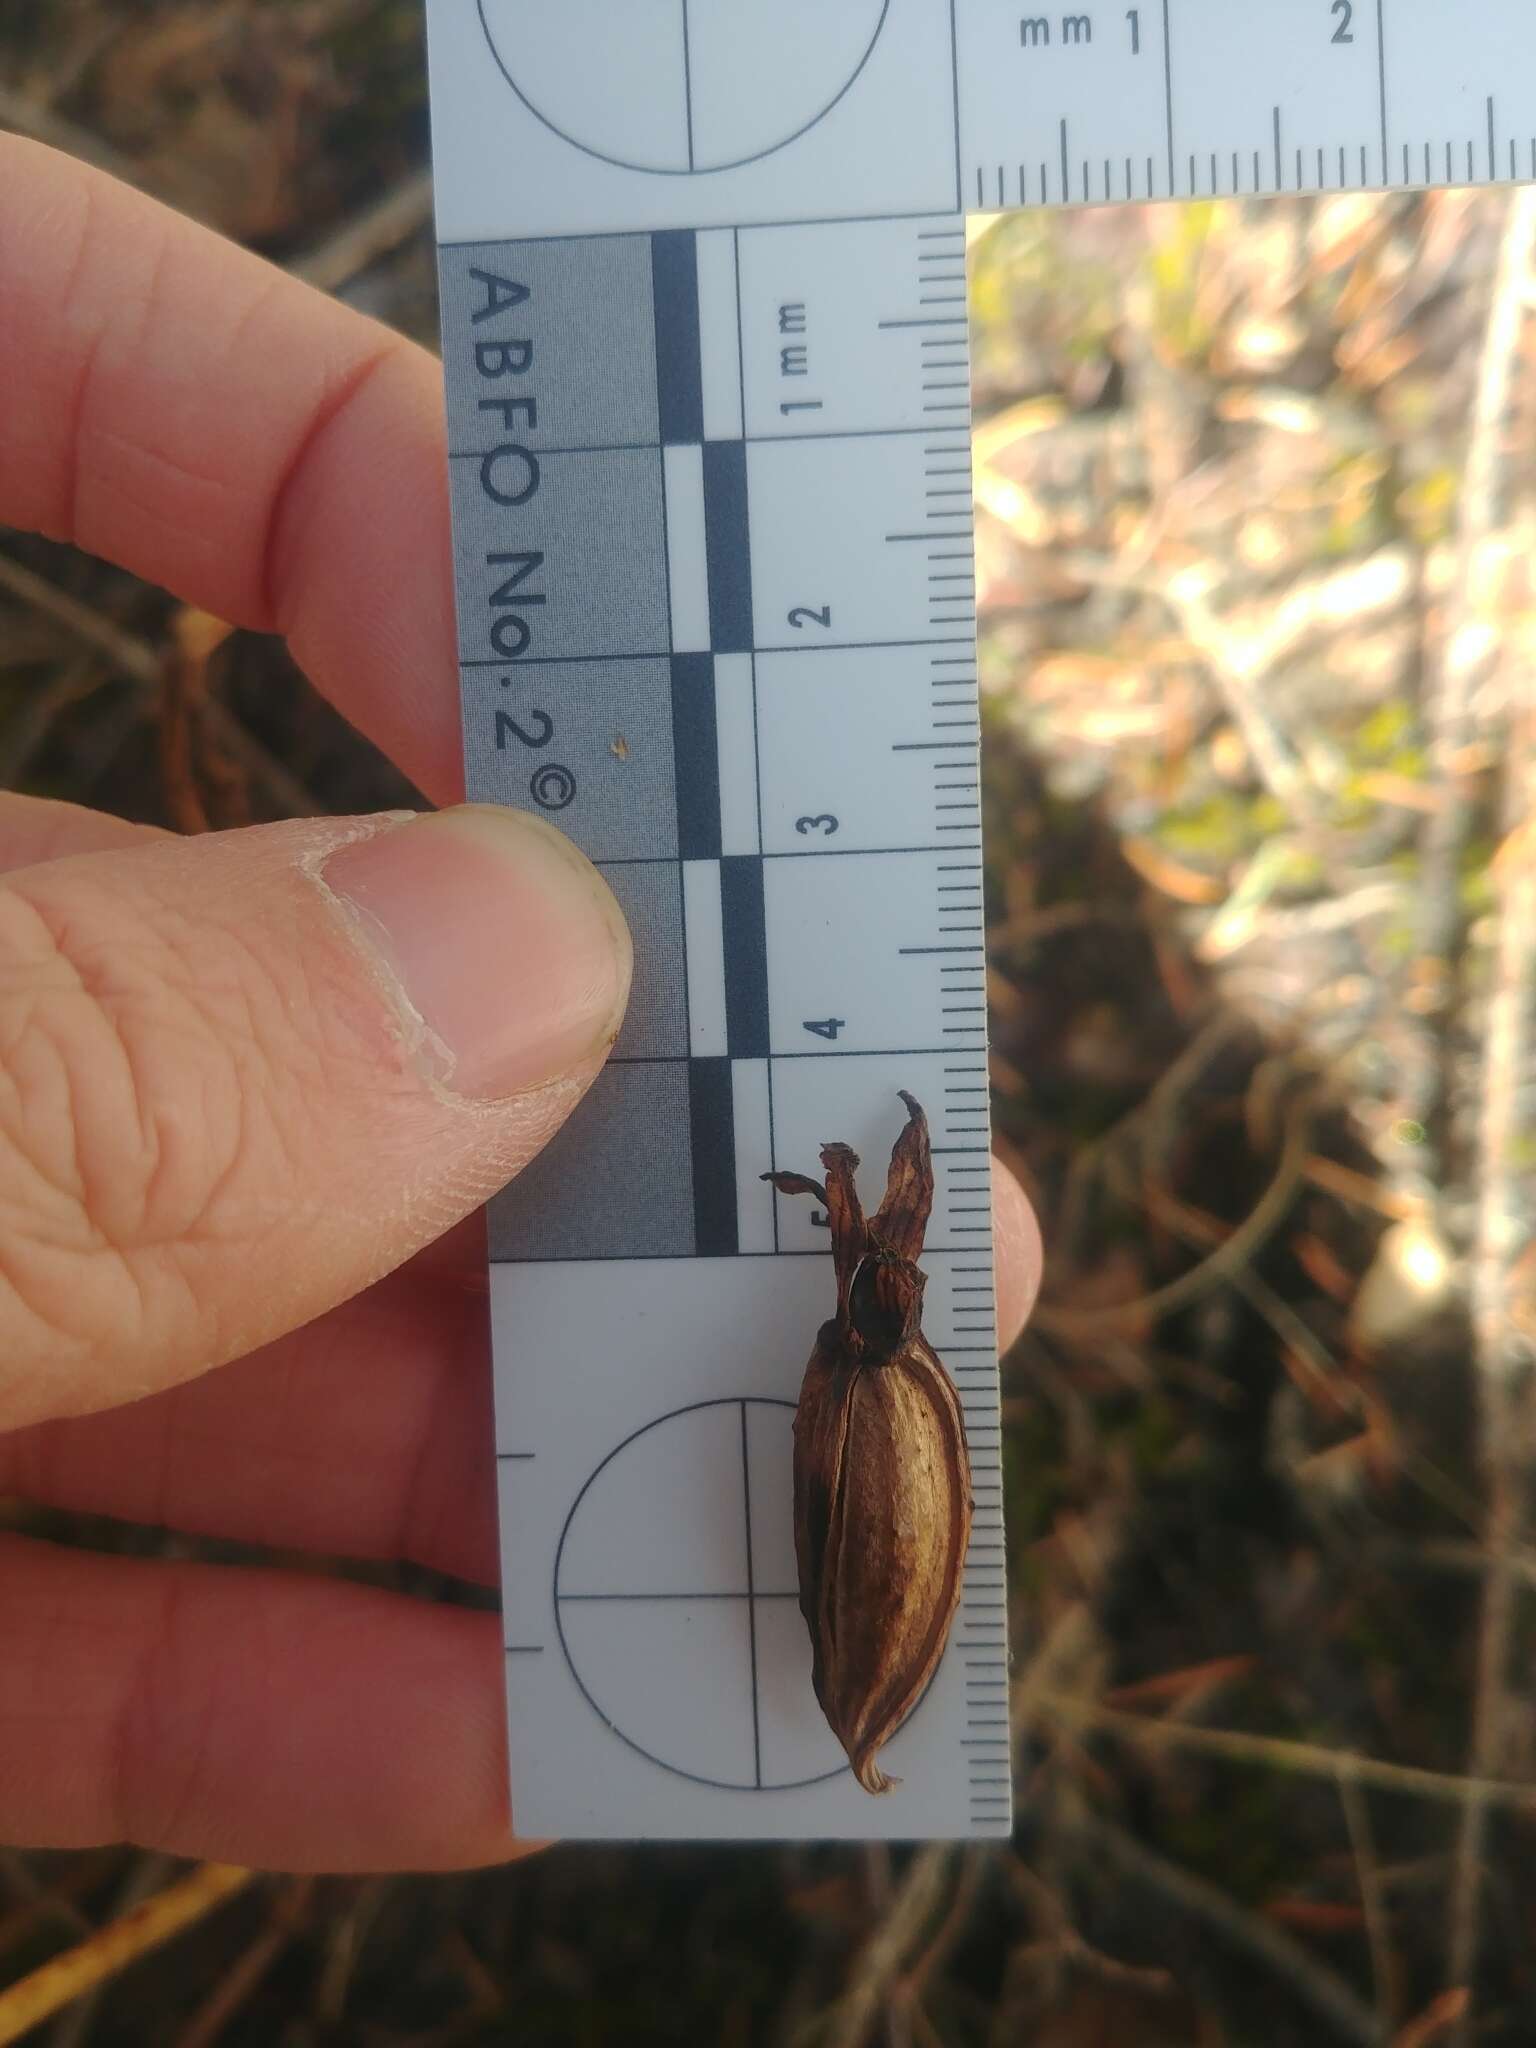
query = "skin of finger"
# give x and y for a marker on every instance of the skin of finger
(212, 1124)
(278, 1720)
(1018, 1253)
(34, 829)
(368, 1434)
(184, 409)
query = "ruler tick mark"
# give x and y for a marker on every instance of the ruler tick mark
(746, 1497)
(688, 83)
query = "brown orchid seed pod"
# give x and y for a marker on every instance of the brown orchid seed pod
(882, 1473)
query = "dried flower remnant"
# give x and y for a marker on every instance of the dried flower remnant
(882, 1473)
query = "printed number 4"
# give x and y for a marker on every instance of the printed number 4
(825, 1027)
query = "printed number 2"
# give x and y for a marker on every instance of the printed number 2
(1345, 10)
(538, 732)
(805, 615)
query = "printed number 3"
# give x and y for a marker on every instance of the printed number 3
(826, 824)
(1344, 33)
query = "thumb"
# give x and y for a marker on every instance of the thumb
(243, 1076)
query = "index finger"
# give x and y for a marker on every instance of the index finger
(184, 409)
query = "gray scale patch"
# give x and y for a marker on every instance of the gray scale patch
(595, 395)
(616, 1182)
(612, 720)
(599, 522)
(651, 898)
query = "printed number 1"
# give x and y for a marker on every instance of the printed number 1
(1344, 33)
(1133, 16)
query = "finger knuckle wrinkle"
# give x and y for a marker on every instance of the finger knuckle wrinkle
(124, 1123)
(285, 547)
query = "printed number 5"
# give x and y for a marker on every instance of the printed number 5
(1344, 33)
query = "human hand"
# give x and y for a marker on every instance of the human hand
(251, 1088)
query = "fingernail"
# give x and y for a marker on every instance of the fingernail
(504, 942)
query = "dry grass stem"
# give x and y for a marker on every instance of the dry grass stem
(374, 233)
(207, 2025)
(885, 1955)
(109, 1951)
(1469, 645)
(1436, 2022)
(1079, 1325)
(1324, 1990)
(1386, 1971)
(138, 663)
(1475, 651)
(26, 116)
(146, 1876)
(1273, 1752)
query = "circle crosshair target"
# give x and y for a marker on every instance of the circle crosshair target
(675, 1600)
(681, 87)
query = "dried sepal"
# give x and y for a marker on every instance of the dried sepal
(882, 1472)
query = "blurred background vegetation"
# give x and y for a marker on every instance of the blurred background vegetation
(1255, 519)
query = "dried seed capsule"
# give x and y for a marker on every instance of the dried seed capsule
(882, 1474)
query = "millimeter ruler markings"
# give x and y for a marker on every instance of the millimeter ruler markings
(704, 320)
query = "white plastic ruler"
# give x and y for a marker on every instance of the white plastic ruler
(705, 331)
